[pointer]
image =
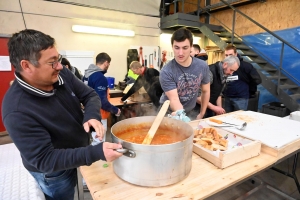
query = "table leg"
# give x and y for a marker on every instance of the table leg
(293, 174)
(79, 185)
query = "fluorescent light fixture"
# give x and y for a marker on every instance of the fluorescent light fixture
(102, 31)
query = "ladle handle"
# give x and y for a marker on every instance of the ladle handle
(156, 123)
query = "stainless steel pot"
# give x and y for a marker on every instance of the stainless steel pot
(154, 165)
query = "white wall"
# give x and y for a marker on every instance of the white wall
(56, 19)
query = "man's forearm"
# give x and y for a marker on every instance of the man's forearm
(204, 102)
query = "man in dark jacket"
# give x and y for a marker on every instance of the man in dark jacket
(241, 85)
(219, 72)
(149, 79)
(196, 52)
(41, 112)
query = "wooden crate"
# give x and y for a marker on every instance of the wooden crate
(233, 154)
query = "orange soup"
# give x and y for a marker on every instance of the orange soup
(162, 136)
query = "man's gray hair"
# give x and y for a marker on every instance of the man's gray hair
(231, 60)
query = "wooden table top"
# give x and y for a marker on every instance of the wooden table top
(117, 101)
(203, 181)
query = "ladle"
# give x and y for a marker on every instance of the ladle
(156, 123)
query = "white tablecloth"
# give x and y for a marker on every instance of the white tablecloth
(15, 181)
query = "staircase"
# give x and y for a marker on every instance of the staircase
(274, 78)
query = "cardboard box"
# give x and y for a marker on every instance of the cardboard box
(238, 150)
(138, 96)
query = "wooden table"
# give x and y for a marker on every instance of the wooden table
(203, 181)
(117, 101)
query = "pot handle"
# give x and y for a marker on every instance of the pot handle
(127, 152)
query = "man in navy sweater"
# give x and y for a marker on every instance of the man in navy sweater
(241, 85)
(94, 77)
(42, 113)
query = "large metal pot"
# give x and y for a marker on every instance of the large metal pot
(154, 165)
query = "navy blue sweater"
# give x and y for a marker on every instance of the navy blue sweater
(47, 127)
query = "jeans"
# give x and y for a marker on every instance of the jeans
(234, 104)
(57, 185)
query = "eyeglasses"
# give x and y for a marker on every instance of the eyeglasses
(55, 63)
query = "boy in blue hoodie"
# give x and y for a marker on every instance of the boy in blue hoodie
(94, 77)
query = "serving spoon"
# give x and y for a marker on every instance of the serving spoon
(226, 124)
(156, 123)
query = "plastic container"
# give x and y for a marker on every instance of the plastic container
(111, 82)
(276, 109)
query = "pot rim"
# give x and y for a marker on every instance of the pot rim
(149, 145)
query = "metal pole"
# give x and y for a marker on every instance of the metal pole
(182, 6)
(198, 8)
(163, 8)
(233, 25)
(175, 6)
(280, 67)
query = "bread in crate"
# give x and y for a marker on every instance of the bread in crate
(222, 148)
(210, 139)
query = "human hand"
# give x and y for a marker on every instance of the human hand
(200, 116)
(109, 151)
(180, 115)
(219, 110)
(119, 113)
(98, 127)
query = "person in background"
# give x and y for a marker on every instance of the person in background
(182, 77)
(219, 73)
(147, 78)
(195, 52)
(11, 82)
(94, 77)
(130, 77)
(73, 69)
(51, 133)
(241, 85)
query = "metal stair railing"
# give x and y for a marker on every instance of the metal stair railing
(254, 48)
(283, 89)
(284, 42)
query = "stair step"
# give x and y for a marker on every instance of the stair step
(249, 54)
(224, 34)
(295, 96)
(258, 61)
(267, 69)
(235, 41)
(288, 86)
(276, 77)
(242, 46)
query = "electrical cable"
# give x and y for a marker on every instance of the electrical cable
(22, 14)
